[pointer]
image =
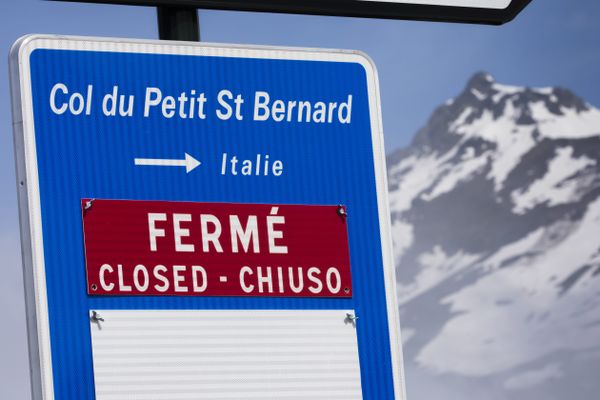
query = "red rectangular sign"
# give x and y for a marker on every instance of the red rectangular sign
(215, 249)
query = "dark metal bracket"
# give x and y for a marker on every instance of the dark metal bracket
(178, 23)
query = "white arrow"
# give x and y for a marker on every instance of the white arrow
(188, 162)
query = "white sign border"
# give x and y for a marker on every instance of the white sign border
(32, 248)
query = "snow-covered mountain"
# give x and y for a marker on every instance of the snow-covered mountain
(496, 224)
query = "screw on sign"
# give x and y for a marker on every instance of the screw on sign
(96, 319)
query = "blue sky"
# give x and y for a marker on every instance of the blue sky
(553, 43)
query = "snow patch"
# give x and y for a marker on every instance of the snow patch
(485, 127)
(526, 245)
(480, 96)
(460, 172)
(554, 187)
(512, 141)
(540, 112)
(402, 236)
(504, 90)
(533, 377)
(511, 149)
(416, 177)
(403, 165)
(572, 124)
(507, 89)
(538, 319)
(407, 334)
(462, 118)
(435, 267)
(468, 154)
(544, 90)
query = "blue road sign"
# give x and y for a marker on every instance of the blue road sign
(100, 119)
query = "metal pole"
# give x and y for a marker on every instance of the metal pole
(178, 23)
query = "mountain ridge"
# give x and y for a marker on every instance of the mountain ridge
(481, 89)
(495, 213)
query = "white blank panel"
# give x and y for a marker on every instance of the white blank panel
(233, 354)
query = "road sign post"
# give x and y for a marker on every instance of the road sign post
(178, 23)
(203, 221)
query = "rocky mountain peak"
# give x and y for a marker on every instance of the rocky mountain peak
(495, 213)
(485, 109)
(481, 81)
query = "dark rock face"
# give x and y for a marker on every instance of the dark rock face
(496, 223)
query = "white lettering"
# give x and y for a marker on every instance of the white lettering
(178, 278)
(244, 235)
(53, 107)
(210, 237)
(222, 98)
(165, 286)
(273, 234)
(103, 269)
(196, 269)
(312, 272)
(153, 230)
(262, 279)
(153, 98)
(333, 273)
(141, 286)
(243, 272)
(181, 232)
(300, 287)
(122, 286)
(261, 109)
